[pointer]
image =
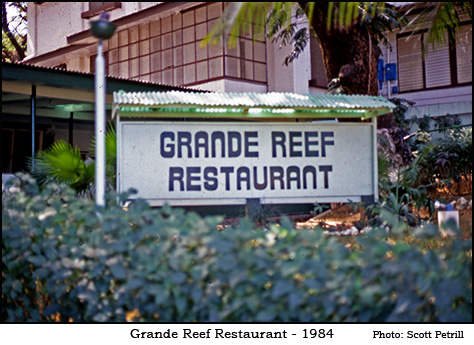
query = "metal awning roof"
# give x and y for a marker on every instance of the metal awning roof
(60, 92)
(247, 105)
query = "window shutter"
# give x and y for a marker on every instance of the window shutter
(437, 66)
(464, 54)
(410, 62)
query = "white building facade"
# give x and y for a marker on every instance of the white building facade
(437, 77)
(159, 42)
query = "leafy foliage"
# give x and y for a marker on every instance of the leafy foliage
(401, 195)
(448, 159)
(443, 123)
(402, 105)
(284, 21)
(288, 33)
(110, 153)
(66, 260)
(14, 20)
(63, 164)
(409, 169)
(441, 16)
(377, 16)
(392, 144)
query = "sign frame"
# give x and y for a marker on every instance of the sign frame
(370, 196)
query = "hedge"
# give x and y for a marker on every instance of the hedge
(64, 259)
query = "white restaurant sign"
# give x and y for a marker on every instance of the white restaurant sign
(202, 163)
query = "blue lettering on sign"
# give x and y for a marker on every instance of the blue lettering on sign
(189, 179)
(233, 144)
(299, 144)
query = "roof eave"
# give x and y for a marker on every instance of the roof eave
(241, 112)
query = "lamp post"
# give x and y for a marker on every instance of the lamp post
(102, 29)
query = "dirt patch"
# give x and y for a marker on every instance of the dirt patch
(465, 222)
(338, 218)
(343, 217)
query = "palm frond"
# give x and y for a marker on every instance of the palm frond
(85, 181)
(240, 17)
(442, 19)
(343, 15)
(60, 163)
(110, 144)
(110, 153)
(300, 39)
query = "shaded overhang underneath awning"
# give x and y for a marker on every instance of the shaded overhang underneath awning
(273, 105)
(59, 93)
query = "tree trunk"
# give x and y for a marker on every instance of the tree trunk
(350, 54)
(18, 49)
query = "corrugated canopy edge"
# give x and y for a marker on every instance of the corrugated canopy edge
(247, 105)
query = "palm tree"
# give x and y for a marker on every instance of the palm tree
(348, 32)
(63, 163)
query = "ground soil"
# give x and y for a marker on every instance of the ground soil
(341, 217)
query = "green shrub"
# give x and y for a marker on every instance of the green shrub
(448, 158)
(63, 259)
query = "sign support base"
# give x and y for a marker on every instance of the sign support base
(253, 208)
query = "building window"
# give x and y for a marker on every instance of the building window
(441, 65)
(96, 8)
(168, 51)
(464, 54)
